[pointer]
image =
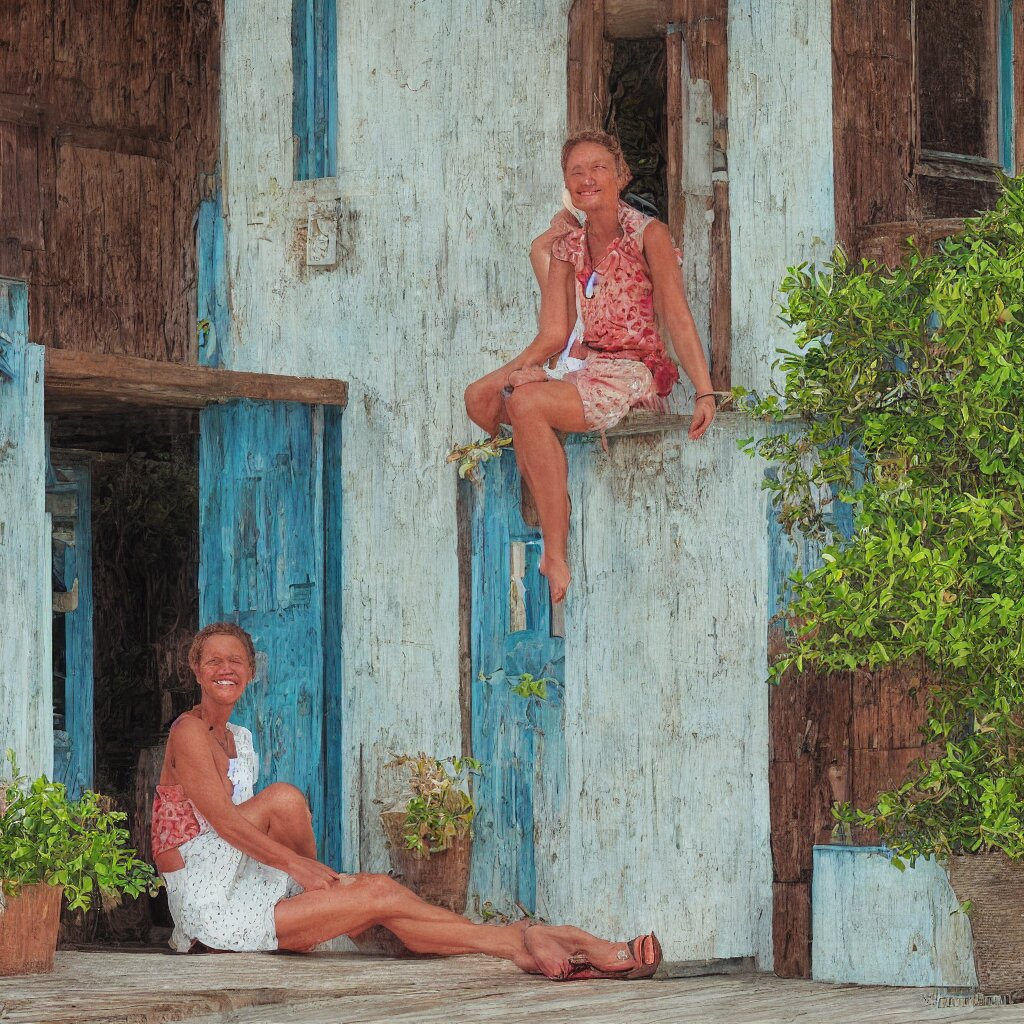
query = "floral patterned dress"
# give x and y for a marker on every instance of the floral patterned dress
(221, 897)
(626, 365)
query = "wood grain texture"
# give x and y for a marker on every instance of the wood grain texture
(75, 768)
(109, 111)
(521, 798)
(262, 565)
(26, 673)
(79, 380)
(874, 925)
(89, 988)
(782, 210)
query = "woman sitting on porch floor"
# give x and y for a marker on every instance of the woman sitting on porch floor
(615, 270)
(241, 870)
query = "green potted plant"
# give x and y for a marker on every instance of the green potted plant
(52, 846)
(903, 397)
(428, 831)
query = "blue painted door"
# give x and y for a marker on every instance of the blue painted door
(69, 502)
(266, 551)
(520, 740)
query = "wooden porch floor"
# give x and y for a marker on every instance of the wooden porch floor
(246, 988)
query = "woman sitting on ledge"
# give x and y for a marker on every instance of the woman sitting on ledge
(241, 870)
(616, 270)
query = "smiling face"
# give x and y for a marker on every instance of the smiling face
(592, 177)
(223, 669)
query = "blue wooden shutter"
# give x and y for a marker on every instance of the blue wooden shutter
(315, 88)
(26, 701)
(262, 565)
(521, 741)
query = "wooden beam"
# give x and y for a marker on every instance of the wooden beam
(96, 382)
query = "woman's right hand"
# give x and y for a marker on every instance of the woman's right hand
(311, 874)
(527, 375)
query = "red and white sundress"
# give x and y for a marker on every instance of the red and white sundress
(626, 364)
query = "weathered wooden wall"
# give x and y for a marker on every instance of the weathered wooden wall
(108, 114)
(431, 288)
(665, 702)
(780, 164)
(26, 680)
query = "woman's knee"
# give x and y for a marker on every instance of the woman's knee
(287, 799)
(477, 396)
(380, 890)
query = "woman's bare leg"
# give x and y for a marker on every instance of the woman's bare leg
(536, 412)
(281, 811)
(358, 902)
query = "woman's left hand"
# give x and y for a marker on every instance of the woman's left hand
(703, 416)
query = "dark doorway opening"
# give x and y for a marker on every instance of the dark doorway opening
(136, 577)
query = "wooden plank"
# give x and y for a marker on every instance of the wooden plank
(124, 100)
(212, 308)
(888, 708)
(521, 741)
(334, 653)
(76, 769)
(76, 381)
(1018, 86)
(315, 89)
(261, 564)
(791, 929)
(26, 671)
(780, 104)
(587, 66)
(873, 115)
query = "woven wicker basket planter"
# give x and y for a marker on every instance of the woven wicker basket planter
(28, 930)
(995, 886)
(442, 880)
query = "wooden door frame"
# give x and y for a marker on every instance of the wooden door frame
(698, 182)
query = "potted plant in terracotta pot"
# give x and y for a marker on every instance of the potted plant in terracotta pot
(428, 832)
(904, 397)
(52, 846)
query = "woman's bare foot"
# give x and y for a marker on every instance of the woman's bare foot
(558, 576)
(551, 946)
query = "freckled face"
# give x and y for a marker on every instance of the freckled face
(591, 177)
(224, 670)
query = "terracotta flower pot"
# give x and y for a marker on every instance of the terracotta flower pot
(995, 886)
(28, 930)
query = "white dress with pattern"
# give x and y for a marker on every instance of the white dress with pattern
(223, 897)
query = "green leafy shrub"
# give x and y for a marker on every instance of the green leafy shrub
(441, 808)
(79, 844)
(903, 397)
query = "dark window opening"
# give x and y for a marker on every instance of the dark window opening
(957, 69)
(637, 114)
